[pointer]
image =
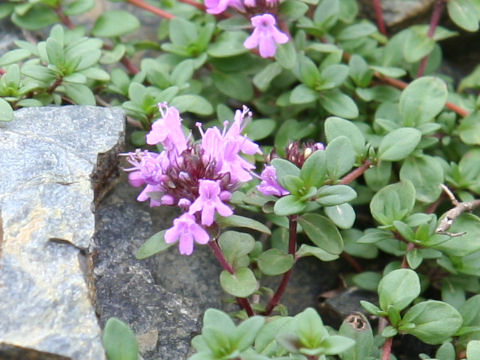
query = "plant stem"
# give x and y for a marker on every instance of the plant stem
(153, 9)
(242, 302)
(436, 14)
(347, 179)
(292, 247)
(379, 15)
(387, 348)
(64, 18)
(194, 3)
(220, 257)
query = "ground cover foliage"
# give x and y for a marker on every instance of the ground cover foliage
(371, 154)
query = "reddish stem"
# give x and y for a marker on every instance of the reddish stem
(153, 9)
(435, 19)
(245, 304)
(2, 71)
(242, 302)
(387, 349)
(194, 3)
(347, 179)
(292, 248)
(56, 84)
(379, 15)
(220, 257)
(64, 19)
(352, 261)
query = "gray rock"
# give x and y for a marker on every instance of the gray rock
(48, 156)
(396, 12)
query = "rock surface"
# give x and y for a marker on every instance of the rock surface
(48, 156)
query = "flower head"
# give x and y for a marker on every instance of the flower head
(218, 6)
(265, 35)
(269, 184)
(209, 201)
(168, 130)
(186, 230)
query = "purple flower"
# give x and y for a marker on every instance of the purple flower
(187, 231)
(269, 184)
(218, 6)
(265, 35)
(209, 201)
(168, 130)
(224, 148)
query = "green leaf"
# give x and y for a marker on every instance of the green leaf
(417, 44)
(378, 176)
(243, 222)
(227, 44)
(260, 129)
(80, 94)
(240, 284)
(308, 250)
(357, 327)
(342, 215)
(119, 341)
(114, 23)
(357, 31)
(335, 127)
(331, 195)
(336, 344)
(340, 156)
(192, 103)
(302, 94)
(293, 9)
(275, 262)
(310, 329)
(288, 205)
(314, 169)
(235, 244)
(214, 318)
(286, 55)
(6, 111)
(339, 104)
(37, 17)
(245, 334)
(372, 308)
(237, 85)
(332, 76)
(283, 168)
(322, 232)
(154, 245)
(465, 244)
(434, 321)
(263, 78)
(55, 53)
(473, 350)
(360, 72)
(464, 14)
(393, 202)
(398, 289)
(414, 258)
(182, 32)
(218, 341)
(399, 143)
(426, 174)
(6, 10)
(469, 129)
(367, 280)
(422, 100)
(14, 56)
(79, 7)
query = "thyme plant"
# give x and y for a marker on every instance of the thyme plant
(305, 116)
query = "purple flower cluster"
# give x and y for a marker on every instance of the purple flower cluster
(197, 177)
(265, 33)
